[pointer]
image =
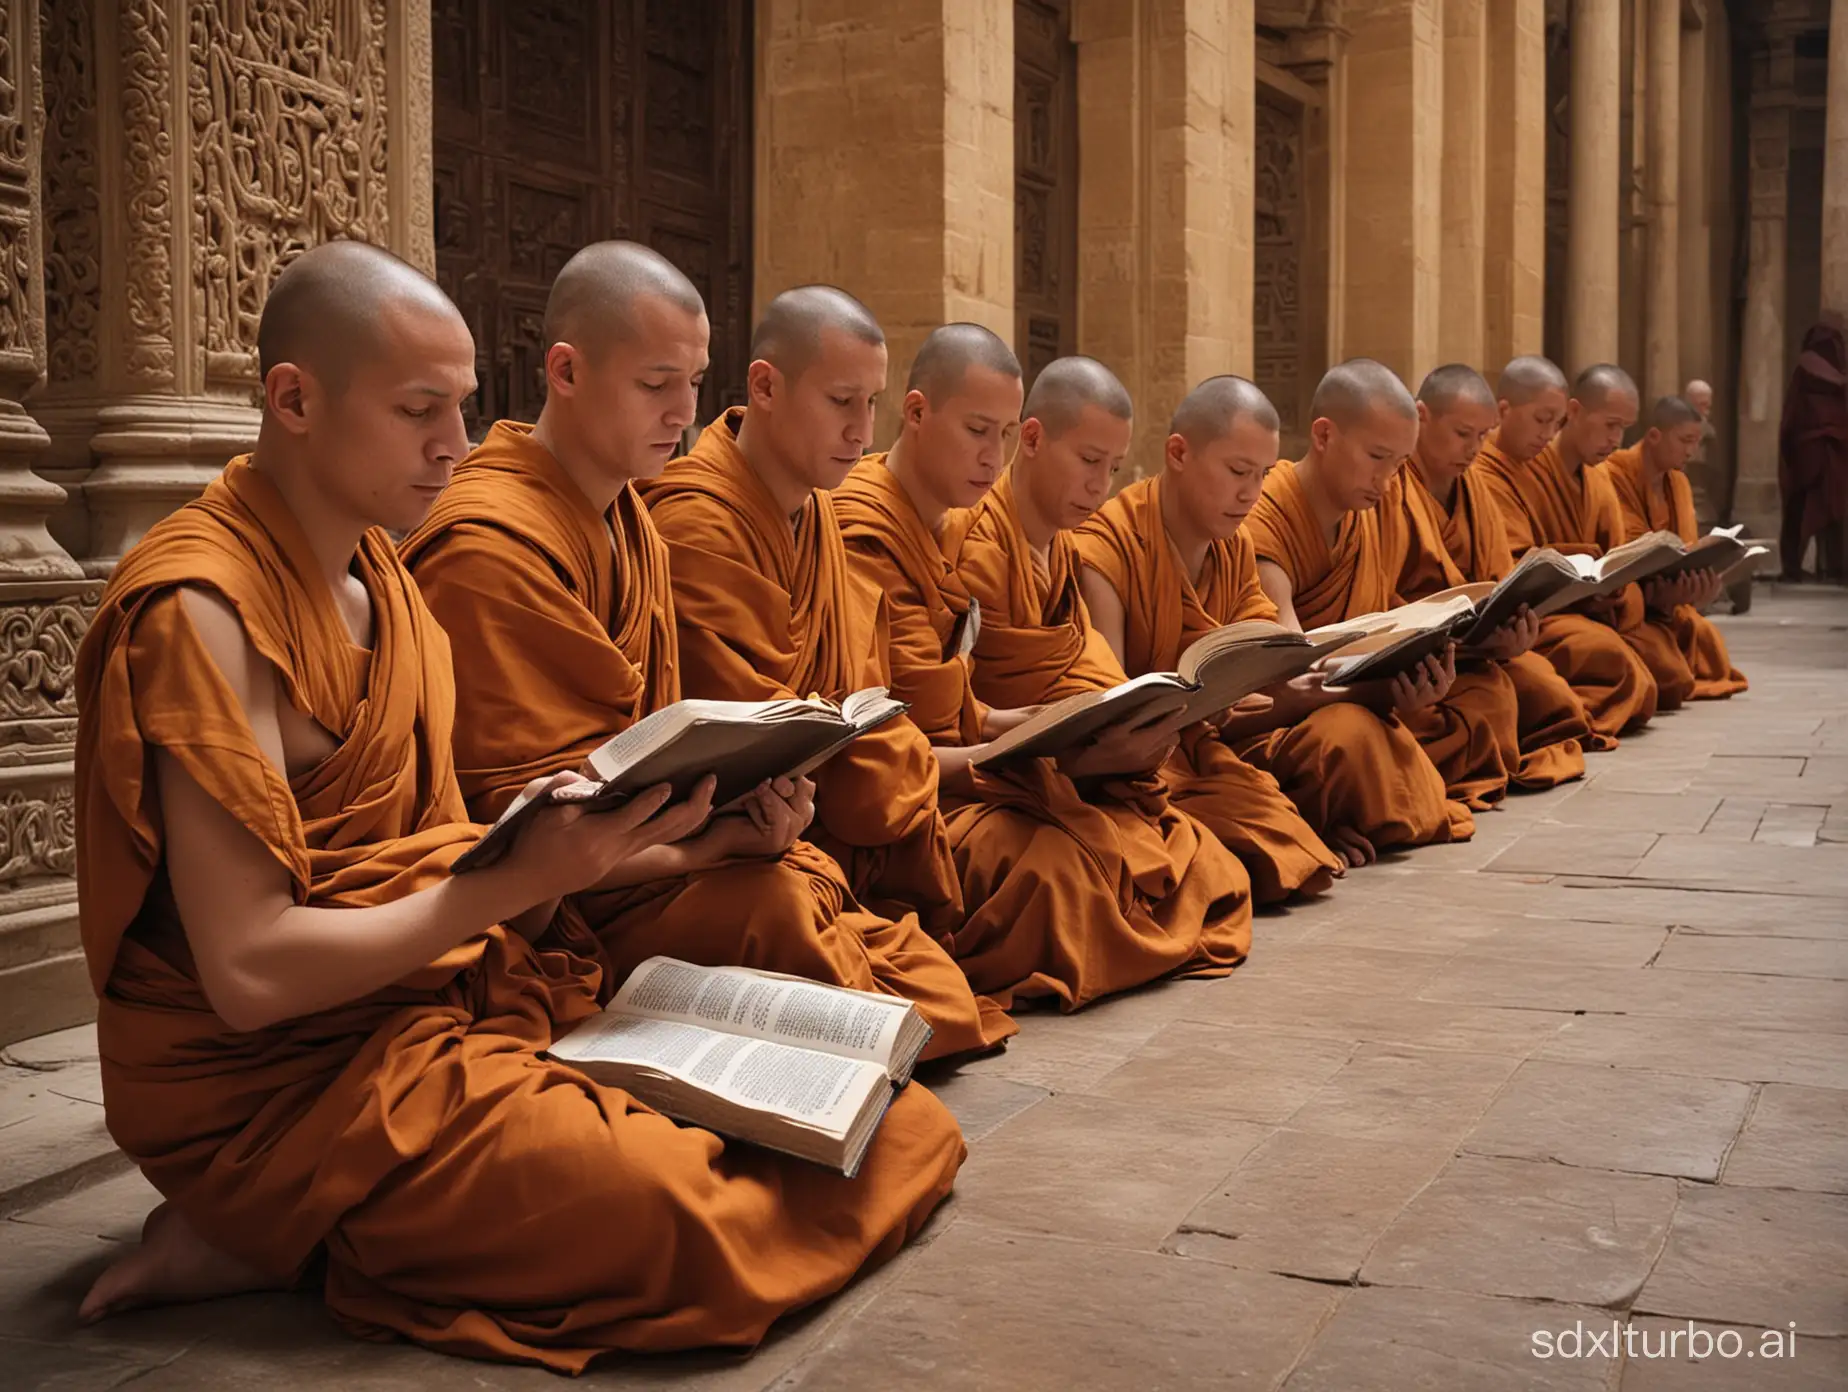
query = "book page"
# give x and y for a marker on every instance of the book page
(819, 1090)
(764, 1005)
(1071, 722)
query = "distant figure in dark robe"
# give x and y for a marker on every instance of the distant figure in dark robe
(1812, 474)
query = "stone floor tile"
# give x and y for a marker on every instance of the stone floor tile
(1328, 1014)
(1396, 1092)
(1754, 1256)
(1612, 809)
(1754, 865)
(980, 1102)
(1517, 1228)
(1564, 940)
(1210, 1070)
(1737, 819)
(1796, 1138)
(1423, 930)
(46, 1367)
(1385, 1337)
(114, 1209)
(1707, 910)
(1126, 1174)
(1694, 1048)
(1064, 1053)
(1556, 850)
(1791, 824)
(1307, 1204)
(74, 1045)
(1780, 1361)
(1342, 967)
(986, 1310)
(1756, 955)
(51, 1137)
(1613, 1119)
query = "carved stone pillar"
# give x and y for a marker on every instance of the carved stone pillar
(228, 135)
(1592, 228)
(1514, 221)
(1460, 328)
(44, 599)
(1662, 193)
(1835, 168)
(1761, 344)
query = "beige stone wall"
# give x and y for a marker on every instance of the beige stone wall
(1514, 259)
(1462, 256)
(1166, 93)
(885, 162)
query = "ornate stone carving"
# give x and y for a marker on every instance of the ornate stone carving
(1280, 229)
(1045, 177)
(38, 835)
(73, 264)
(146, 78)
(38, 655)
(287, 108)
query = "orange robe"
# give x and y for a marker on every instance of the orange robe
(1061, 901)
(1473, 734)
(1684, 643)
(1540, 503)
(562, 623)
(1126, 543)
(1550, 720)
(1188, 896)
(467, 1192)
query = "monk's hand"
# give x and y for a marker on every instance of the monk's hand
(1662, 594)
(1706, 587)
(771, 819)
(1127, 749)
(997, 723)
(1513, 638)
(570, 847)
(1426, 684)
(1603, 608)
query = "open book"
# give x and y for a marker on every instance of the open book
(741, 743)
(775, 1060)
(1217, 669)
(1722, 551)
(1396, 640)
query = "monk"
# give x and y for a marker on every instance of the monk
(1451, 545)
(1072, 890)
(1317, 783)
(1332, 534)
(1652, 486)
(543, 568)
(313, 1039)
(1510, 480)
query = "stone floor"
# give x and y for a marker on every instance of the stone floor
(1592, 1066)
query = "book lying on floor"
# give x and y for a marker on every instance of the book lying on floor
(1217, 670)
(778, 1061)
(1395, 641)
(741, 743)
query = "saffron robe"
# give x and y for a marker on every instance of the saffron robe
(562, 623)
(468, 1193)
(1473, 734)
(1540, 503)
(1126, 543)
(1683, 643)
(1550, 720)
(1188, 896)
(1060, 903)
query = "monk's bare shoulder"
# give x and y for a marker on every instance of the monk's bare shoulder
(246, 671)
(1105, 606)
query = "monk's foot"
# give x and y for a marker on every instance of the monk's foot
(1351, 846)
(171, 1264)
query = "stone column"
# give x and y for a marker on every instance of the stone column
(1596, 37)
(1514, 222)
(1392, 278)
(1165, 232)
(1662, 193)
(1761, 331)
(45, 601)
(225, 148)
(1835, 168)
(1461, 323)
(896, 181)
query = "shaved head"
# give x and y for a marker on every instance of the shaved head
(595, 297)
(327, 311)
(944, 360)
(1210, 410)
(788, 337)
(1670, 412)
(1527, 378)
(1445, 388)
(1351, 391)
(1599, 381)
(1066, 386)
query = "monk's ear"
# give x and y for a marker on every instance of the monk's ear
(1653, 437)
(761, 382)
(1321, 431)
(911, 410)
(1175, 453)
(286, 393)
(1424, 414)
(1032, 436)
(563, 369)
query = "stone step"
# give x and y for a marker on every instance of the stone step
(52, 1138)
(44, 985)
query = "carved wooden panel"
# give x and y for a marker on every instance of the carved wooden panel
(1277, 330)
(1045, 183)
(559, 123)
(73, 251)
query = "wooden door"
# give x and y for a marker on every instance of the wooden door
(1045, 183)
(563, 122)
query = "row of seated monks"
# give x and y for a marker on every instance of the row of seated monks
(305, 692)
